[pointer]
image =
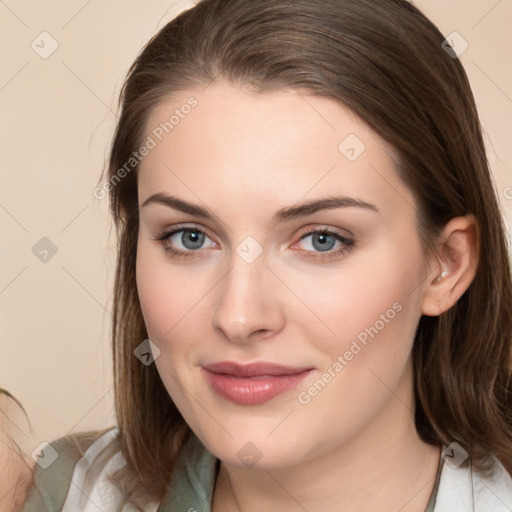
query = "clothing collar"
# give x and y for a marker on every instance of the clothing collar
(195, 474)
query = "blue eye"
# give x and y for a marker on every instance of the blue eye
(190, 236)
(321, 241)
(325, 244)
(191, 240)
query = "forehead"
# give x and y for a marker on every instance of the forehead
(279, 145)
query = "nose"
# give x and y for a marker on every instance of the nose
(247, 305)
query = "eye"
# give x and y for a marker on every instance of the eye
(322, 243)
(319, 244)
(184, 241)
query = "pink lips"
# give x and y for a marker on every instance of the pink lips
(254, 383)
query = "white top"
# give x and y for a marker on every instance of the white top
(90, 489)
(461, 491)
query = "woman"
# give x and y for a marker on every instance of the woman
(313, 297)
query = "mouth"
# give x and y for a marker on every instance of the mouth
(254, 383)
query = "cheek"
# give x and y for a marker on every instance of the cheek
(154, 295)
(164, 294)
(373, 311)
(368, 310)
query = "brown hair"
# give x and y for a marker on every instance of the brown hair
(384, 60)
(16, 465)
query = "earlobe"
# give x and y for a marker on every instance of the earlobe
(454, 266)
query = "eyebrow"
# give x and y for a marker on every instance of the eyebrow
(283, 215)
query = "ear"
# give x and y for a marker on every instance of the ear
(454, 265)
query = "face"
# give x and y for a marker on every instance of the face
(241, 259)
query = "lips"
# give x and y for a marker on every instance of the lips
(253, 369)
(254, 383)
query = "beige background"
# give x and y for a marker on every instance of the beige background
(57, 120)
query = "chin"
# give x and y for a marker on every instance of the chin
(253, 450)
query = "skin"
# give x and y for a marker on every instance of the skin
(15, 465)
(244, 155)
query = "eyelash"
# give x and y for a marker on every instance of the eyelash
(348, 244)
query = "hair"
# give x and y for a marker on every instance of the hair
(13, 459)
(384, 61)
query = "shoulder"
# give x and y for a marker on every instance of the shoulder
(78, 478)
(462, 489)
(70, 468)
